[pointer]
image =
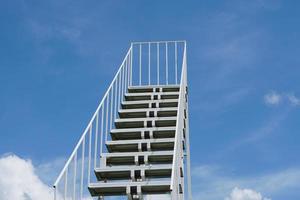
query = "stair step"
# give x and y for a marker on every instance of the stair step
(151, 96)
(138, 158)
(148, 112)
(165, 144)
(151, 88)
(162, 103)
(126, 172)
(115, 189)
(140, 133)
(145, 122)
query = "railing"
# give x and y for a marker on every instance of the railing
(156, 63)
(146, 63)
(76, 175)
(181, 146)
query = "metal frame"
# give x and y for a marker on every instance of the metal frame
(153, 65)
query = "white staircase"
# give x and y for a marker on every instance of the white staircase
(137, 142)
(139, 164)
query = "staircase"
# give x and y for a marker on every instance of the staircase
(137, 142)
(140, 154)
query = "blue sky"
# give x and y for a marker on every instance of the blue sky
(58, 57)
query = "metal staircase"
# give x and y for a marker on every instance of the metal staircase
(136, 145)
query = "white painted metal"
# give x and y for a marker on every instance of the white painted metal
(91, 149)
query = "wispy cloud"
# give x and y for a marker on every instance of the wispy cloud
(293, 99)
(276, 98)
(272, 98)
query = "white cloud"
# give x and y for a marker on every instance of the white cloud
(18, 180)
(245, 194)
(275, 98)
(293, 99)
(21, 180)
(272, 98)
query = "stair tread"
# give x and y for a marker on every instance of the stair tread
(141, 153)
(129, 183)
(154, 140)
(153, 86)
(151, 93)
(169, 128)
(113, 188)
(144, 119)
(151, 101)
(129, 167)
(147, 109)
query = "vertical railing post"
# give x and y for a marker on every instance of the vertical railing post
(149, 63)
(119, 90)
(116, 100)
(167, 65)
(128, 72)
(125, 77)
(74, 178)
(96, 141)
(140, 81)
(111, 108)
(175, 62)
(122, 85)
(157, 62)
(90, 154)
(106, 118)
(131, 58)
(102, 132)
(66, 184)
(82, 168)
(55, 192)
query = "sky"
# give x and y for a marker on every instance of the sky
(58, 57)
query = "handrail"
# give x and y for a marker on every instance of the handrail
(162, 41)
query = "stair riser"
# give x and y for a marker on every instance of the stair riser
(155, 89)
(134, 174)
(143, 124)
(167, 146)
(150, 97)
(140, 160)
(143, 114)
(138, 135)
(150, 105)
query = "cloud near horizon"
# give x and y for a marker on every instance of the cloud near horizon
(245, 194)
(18, 180)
